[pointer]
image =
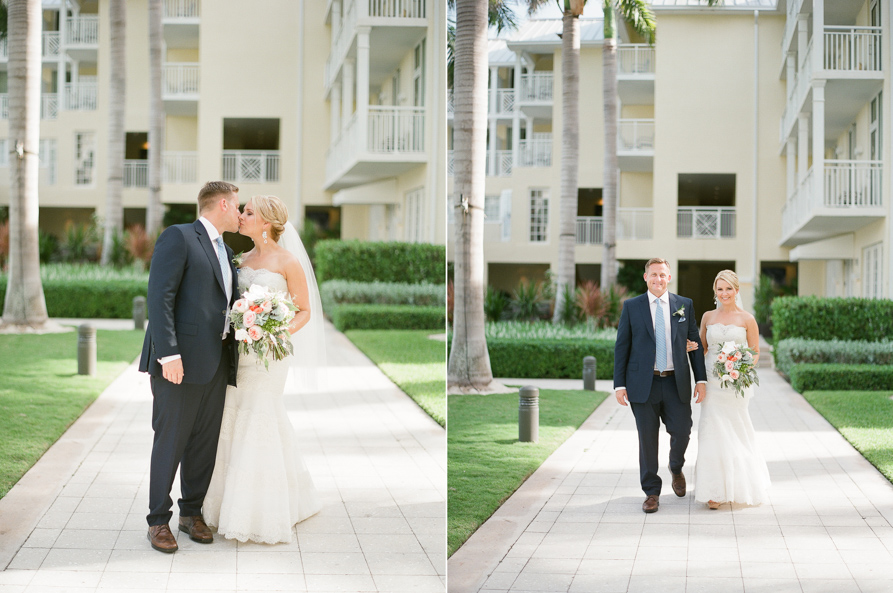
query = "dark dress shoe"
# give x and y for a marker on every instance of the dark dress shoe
(651, 503)
(678, 483)
(162, 539)
(197, 529)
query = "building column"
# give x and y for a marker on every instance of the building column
(491, 109)
(335, 111)
(336, 22)
(818, 141)
(802, 35)
(347, 74)
(802, 146)
(818, 36)
(362, 86)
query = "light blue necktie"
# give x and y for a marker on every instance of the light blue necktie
(660, 337)
(224, 266)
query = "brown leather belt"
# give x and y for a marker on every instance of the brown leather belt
(664, 373)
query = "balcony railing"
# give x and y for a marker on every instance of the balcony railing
(82, 31)
(536, 87)
(590, 230)
(182, 9)
(180, 79)
(705, 223)
(51, 46)
(396, 129)
(251, 166)
(536, 152)
(853, 184)
(633, 224)
(635, 135)
(798, 88)
(852, 49)
(80, 96)
(450, 106)
(450, 161)
(505, 101)
(136, 173)
(180, 167)
(404, 9)
(635, 58)
(503, 163)
(49, 106)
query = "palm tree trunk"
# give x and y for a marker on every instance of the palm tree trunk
(609, 194)
(155, 208)
(469, 362)
(570, 157)
(25, 305)
(114, 213)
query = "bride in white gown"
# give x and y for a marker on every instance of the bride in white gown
(729, 467)
(260, 487)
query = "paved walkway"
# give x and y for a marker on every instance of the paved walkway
(576, 525)
(76, 522)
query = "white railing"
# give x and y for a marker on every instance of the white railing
(49, 106)
(801, 83)
(535, 152)
(853, 49)
(403, 9)
(590, 230)
(633, 224)
(450, 160)
(853, 184)
(180, 78)
(635, 58)
(182, 9)
(635, 135)
(705, 223)
(536, 87)
(341, 41)
(247, 166)
(505, 101)
(51, 45)
(799, 206)
(80, 96)
(504, 161)
(136, 173)
(790, 25)
(82, 30)
(180, 167)
(396, 129)
(342, 150)
(450, 106)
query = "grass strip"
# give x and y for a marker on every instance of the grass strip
(41, 394)
(864, 418)
(410, 359)
(487, 463)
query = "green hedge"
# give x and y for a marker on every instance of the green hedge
(817, 318)
(841, 377)
(108, 299)
(549, 359)
(799, 350)
(346, 317)
(335, 292)
(365, 261)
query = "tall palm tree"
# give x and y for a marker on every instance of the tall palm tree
(155, 208)
(114, 212)
(25, 305)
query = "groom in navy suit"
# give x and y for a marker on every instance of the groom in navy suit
(651, 374)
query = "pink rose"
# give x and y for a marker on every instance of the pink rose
(255, 332)
(240, 306)
(722, 357)
(734, 375)
(266, 306)
(248, 318)
(729, 365)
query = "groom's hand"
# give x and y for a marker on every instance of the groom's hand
(700, 392)
(621, 396)
(173, 371)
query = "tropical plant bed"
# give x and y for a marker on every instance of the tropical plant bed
(487, 463)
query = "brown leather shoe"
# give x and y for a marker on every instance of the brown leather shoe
(651, 503)
(196, 528)
(162, 539)
(678, 483)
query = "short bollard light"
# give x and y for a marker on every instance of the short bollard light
(589, 373)
(529, 414)
(86, 350)
(139, 313)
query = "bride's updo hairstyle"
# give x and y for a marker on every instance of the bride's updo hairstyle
(272, 210)
(729, 276)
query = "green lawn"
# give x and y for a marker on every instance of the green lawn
(486, 463)
(864, 418)
(416, 364)
(41, 393)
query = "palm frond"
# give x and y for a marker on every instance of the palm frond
(638, 14)
(501, 16)
(534, 5)
(451, 51)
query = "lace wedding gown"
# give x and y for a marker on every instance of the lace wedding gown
(260, 487)
(729, 467)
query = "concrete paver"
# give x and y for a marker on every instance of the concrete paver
(76, 521)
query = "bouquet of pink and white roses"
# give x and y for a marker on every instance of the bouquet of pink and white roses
(260, 320)
(734, 367)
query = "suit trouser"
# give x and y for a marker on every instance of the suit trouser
(186, 419)
(664, 404)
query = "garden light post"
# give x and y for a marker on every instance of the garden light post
(139, 312)
(528, 414)
(86, 349)
(589, 373)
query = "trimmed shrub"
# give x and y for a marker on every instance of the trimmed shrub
(817, 318)
(109, 299)
(794, 351)
(364, 261)
(335, 292)
(549, 359)
(351, 316)
(841, 377)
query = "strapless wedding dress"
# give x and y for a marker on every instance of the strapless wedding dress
(260, 487)
(729, 467)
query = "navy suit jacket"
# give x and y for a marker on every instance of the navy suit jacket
(634, 350)
(187, 305)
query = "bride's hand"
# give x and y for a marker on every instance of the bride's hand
(690, 346)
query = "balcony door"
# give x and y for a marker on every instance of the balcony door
(706, 206)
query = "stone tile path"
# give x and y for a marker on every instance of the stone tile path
(76, 522)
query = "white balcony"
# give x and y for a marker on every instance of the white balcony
(535, 152)
(633, 224)
(82, 37)
(182, 10)
(635, 73)
(635, 144)
(500, 163)
(49, 106)
(180, 167)
(536, 94)
(505, 102)
(136, 173)
(852, 49)
(180, 87)
(705, 223)
(51, 44)
(251, 166)
(450, 160)
(80, 96)
(392, 142)
(847, 197)
(450, 105)
(181, 20)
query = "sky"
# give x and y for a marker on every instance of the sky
(593, 9)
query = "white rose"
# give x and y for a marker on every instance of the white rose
(242, 336)
(726, 378)
(729, 347)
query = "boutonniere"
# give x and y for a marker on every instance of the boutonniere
(237, 259)
(680, 312)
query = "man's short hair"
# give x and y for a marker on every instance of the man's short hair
(656, 260)
(211, 190)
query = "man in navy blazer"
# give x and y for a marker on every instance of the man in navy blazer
(651, 374)
(191, 356)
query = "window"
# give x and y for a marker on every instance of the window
(84, 158)
(418, 75)
(415, 215)
(872, 274)
(539, 215)
(874, 129)
(491, 209)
